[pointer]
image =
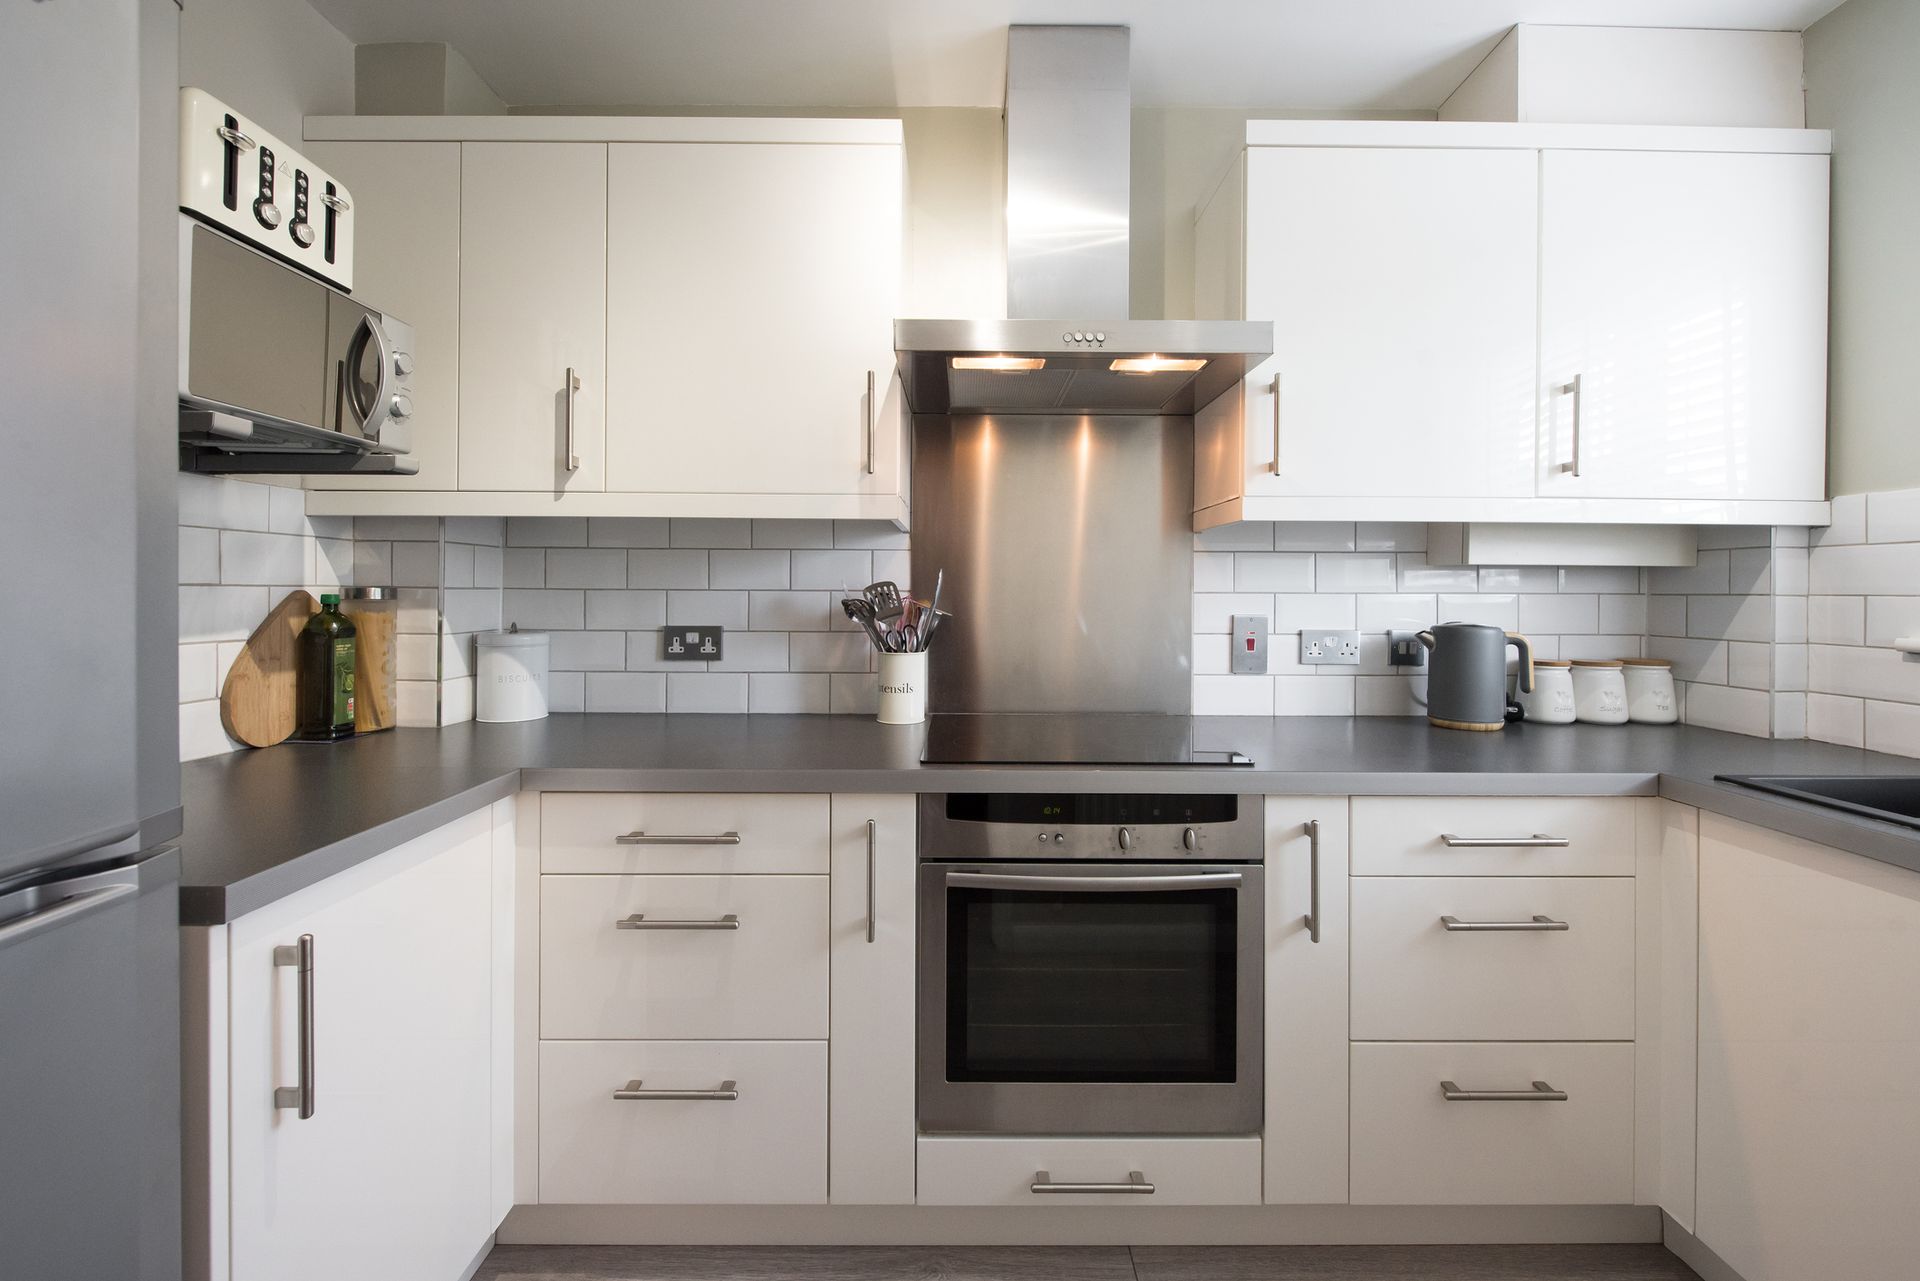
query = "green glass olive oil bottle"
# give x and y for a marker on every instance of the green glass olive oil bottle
(327, 652)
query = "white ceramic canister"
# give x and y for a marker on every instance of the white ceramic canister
(1599, 692)
(903, 688)
(511, 679)
(1551, 702)
(1650, 696)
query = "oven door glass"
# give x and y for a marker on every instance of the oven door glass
(1077, 980)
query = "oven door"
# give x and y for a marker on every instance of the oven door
(1090, 998)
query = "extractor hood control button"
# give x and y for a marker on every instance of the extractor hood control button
(1190, 839)
(1126, 839)
(1099, 337)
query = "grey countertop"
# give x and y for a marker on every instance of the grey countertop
(262, 824)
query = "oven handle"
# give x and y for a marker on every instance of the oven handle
(1094, 884)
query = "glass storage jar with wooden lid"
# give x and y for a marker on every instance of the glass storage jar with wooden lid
(375, 612)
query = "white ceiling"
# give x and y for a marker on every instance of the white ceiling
(1307, 54)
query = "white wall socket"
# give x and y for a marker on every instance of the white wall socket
(1340, 649)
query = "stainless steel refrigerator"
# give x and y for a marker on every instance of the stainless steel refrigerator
(89, 779)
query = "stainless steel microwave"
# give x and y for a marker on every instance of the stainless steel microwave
(280, 372)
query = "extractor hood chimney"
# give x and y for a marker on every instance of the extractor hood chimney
(1070, 346)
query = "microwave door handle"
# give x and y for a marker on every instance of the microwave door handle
(373, 415)
(1093, 884)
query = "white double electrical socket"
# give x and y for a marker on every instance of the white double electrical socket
(1339, 649)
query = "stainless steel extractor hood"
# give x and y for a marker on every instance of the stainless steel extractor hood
(1070, 347)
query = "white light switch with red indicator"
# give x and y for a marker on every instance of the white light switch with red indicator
(1249, 645)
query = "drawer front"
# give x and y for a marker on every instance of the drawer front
(1412, 1146)
(1492, 836)
(764, 978)
(768, 1146)
(683, 832)
(1414, 979)
(997, 1171)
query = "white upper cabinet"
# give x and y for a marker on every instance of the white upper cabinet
(1401, 285)
(1683, 320)
(1438, 292)
(533, 316)
(752, 291)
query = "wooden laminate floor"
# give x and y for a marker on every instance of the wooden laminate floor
(1084, 1263)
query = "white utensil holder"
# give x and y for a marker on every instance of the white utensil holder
(903, 689)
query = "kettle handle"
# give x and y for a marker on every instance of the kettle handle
(1520, 643)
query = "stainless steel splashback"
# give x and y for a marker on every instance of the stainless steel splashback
(1069, 560)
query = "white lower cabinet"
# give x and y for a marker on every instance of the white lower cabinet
(683, 1122)
(392, 1173)
(1547, 958)
(1809, 1103)
(1063, 1172)
(871, 1046)
(1413, 1145)
(683, 957)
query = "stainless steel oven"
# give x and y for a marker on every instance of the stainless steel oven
(1090, 964)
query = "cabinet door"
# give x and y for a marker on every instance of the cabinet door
(1400, 284)
(1306, 1130)
(390, 1176)
(533, 306)
(406, 253)
(871, 1153)
(752, 296)
(1809, 1112)
(1683, 318)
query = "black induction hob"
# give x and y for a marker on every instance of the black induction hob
(1143, 739)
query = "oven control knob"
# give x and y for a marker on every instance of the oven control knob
(1126, 839)
(402, 406)
(1043, 838)
(402, 363)
(1190, 839)
(1059, 838)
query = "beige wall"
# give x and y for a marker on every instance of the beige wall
(1862, 84)
(275, 60)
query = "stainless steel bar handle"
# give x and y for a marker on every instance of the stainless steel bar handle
(1540, 1093)
(1093, 884)
(638, 921)
(573, 387)
(872, 410)
(1136, 1185)
(1573, 389)
(80, 904)
(1538, 841)
(300, 1096)
(644, 838)
(1276, 424)
(727, 1093)
(1454, 925)
(873, 840)
(1313, 879)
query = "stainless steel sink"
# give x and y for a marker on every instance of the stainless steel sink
(1891, 798)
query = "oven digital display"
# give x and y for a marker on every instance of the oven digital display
(1091, 808)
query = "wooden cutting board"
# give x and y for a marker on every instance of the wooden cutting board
(258, 704)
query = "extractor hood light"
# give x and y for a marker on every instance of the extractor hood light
(1155, 365)
(1001, 364)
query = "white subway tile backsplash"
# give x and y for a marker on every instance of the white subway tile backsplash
(1389, 696)
(214, 502)
(477, 531)
(1893, 517)
(706, 692)
(416, 704)
(222, 613)
(1790, 668)
(1313, 695)
(1833, 718)
(1271, 572)
(587, 651)
(1232, 695)
(1741, 618)
(751, 569)
(201, 734)
(626, 692)
(1615, 579)
(1531, 579)
(1578, 613)
(1722, 536)
(682, 532)
(523, 567)
(600, 567)
(416, 658)
(788, 693)
(333, 563)
(790, 611)
(489, 568)
(1837, 620)
(1711, 574)
(1390, 536)
(263, 559)
(1297, 613)
(1666, 615)
(566, 692)
(1891, 618)
(198, 665)
(1892, 727)
(1354, 572)
(853, 694)
(647, 652)
(707, 609)
(474, 609)
(286, 509)
(1790, 571)
(833, 571)
(1496, 608)
(1750, 664)
(790, 535)
(1750, 570)
(1624, 614)
(1863, 673)
(623, 611)
(1416, 575)
(1243, 536)
(456, 700)
(1789, 715)
(895, 565)
(387, 529)
(626, 531)
(1214, 611)
(538, 609)
(546, 531)
(1790, 619)
(1603, 646)
(684, 567)
(1872, 569)
(829, 652)
(1741, 711)
(416, 564)
(199, 555)
(753, 652)
(1848, 525)
(1213, 571)
(1313, 536)
(1693, 660)
(872, 534)
(1380, 613)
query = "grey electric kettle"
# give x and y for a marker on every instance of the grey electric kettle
(1467, 676)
